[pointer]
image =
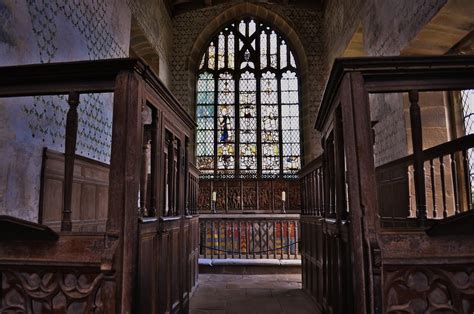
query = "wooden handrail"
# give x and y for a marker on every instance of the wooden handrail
(311, 166)
(456, 145)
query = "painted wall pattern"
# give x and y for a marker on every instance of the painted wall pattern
(42, 31)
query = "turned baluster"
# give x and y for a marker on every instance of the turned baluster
(443, 185)
(454, 178)
(143, 211)
(467, 179)
(69, 156)
(296, 240)
(418, 163)
(433, 189)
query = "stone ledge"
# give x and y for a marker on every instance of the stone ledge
(248, 262)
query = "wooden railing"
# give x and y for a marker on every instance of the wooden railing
(193, 191)
(144, 258)
(325, 247)
(447, 183)
(352, 261)
(250, 236)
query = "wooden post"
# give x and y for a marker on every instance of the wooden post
(153, 162)
(69, 155)
(417, 142)
(144, 172)
(340, 168)
(124, 178)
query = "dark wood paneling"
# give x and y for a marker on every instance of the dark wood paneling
(168, 261)
(121, 266)
(89, 192)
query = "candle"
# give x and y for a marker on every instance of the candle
(214, 196)
(283, 196)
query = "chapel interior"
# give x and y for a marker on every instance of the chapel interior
(238, 156)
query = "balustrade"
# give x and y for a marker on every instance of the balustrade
(372, 235)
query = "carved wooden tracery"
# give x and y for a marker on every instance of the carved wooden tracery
(37, 292)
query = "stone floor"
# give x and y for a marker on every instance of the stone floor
(248, 294)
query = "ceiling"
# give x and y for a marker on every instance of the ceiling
(449, 31)
(176, 7)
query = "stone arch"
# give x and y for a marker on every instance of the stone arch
(238, 11)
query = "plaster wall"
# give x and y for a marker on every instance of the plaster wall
(42, 31)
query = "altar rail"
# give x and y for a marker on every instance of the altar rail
(250, 236)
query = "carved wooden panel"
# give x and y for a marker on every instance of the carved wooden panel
(204, 195)
(246, 195)
(52, 292)
(278, 187)
(265, 195)
(249, 195)
(326, 264)
(233, 195)
(89, 194)
(294, 196)
(429, 289)
(220, 189)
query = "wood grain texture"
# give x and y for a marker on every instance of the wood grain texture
(89, 194)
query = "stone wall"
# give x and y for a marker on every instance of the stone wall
(388, 26)
(154, 20)
(42, 31)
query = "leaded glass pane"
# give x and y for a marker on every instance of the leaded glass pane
(263, 50)
(269, 88)
(252, 27)
(225, 156)
(292, 60)
(283, 55)
(201, 64)
(290, 122)
(248, 122)
(230, 51)
(211, 62)
(221, 51)
(273, 50)
(205, 120)
(242, 27)
(247, 60)
(467, 101)
(226, 89)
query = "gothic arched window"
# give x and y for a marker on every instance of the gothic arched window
(247, 104)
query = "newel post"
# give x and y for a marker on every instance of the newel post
(418, 164)
(69, 155)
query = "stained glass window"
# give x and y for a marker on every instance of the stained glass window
(467, 102)
(247, 103)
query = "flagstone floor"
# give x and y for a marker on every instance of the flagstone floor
(248, 294)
